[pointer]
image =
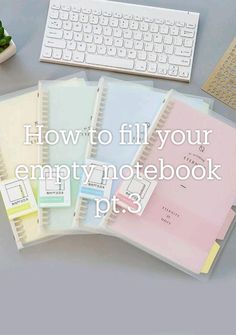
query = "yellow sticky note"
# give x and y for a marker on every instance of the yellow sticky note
(211, 257)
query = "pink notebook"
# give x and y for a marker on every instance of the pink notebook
(183, 219)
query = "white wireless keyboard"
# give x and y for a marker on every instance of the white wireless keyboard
(121, 37)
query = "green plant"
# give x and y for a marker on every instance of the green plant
(4, 40)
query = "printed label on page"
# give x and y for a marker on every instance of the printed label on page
(18, 198)
(54, 190)
(135, 193)
(98, 182)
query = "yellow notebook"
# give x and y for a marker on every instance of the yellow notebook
(17, 110)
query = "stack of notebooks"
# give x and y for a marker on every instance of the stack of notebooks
(183, 221)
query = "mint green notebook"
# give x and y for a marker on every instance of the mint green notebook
(69, 107)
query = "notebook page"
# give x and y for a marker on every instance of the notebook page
(70, 107)
(183, 219)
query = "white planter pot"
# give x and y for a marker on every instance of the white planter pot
(8, 52)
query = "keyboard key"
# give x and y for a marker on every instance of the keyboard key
(71, 45)
(98, 39)
(117, 32)
(78, 56)
(91, 48)
(162, 69)
(54, 14)
(188, 42)
(64, 15)
(121, 52)
(52, 23)
(181, 51)
(56, 5)
(122, 63)
(83, 18)
(164, 29)
(68, 34)
(152, 67)
(173, 70)
(140, 65)
(169, 49)
(97, 29)
(184, 72)
(114, 22)
(178, 41)
(93, 19)
(88, 38)
(111, 51)
(101, 49)
(152, 57)
(103, 21)
(148, 46)
(132, 54)
(157, 38)
(75, 8)
(127, 33)
(128, 44)
(124, 23)
(174, 31)
(55, 43)
(187, 32)
(47, 52)
(77, 26)
(78, 37)
(65, 7)
(158, 48)
(118, 42)
(57, 53)
(87, 28)
(138, 45)
(66, 55)
(67, 25)
(138, 35)
(147, 37)
(168, 39)
(142, 55)
(54, 33)
(162, 58)
(81, 46)
(74, 17)
(176, 60)
(144, 26)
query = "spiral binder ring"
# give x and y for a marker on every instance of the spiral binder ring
(44, 157)
(98, 119)
(17, 225)
(82, 211)
(146, 149)
(160, 123)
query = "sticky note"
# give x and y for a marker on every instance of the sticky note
(211, 257)
(135, 193)
(54, 190)
(18, 198)
(98, 181)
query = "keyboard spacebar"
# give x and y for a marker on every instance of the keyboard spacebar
(110, 61)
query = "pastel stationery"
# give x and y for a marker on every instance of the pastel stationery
(53, 191)
(67, 107)
(18, 198)
(222, 83)
(16, 110)
(118, 103)
(183, 218)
